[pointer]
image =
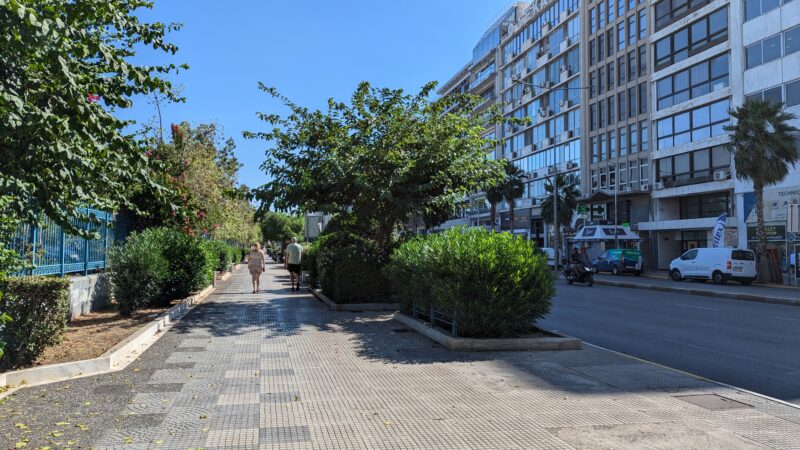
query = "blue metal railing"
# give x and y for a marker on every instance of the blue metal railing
(435, 318)
(49, 250)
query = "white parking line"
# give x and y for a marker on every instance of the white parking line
(697, 307)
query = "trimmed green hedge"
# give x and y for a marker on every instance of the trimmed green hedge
(350, 269)
(495, 284)
(38, 307)
(160, 265)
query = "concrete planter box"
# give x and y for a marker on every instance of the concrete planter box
(555, 343)
(114, 359)
(353, 306)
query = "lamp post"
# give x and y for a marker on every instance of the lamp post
(616, 205)
(557, 244)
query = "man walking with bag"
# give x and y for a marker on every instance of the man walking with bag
(294, 255)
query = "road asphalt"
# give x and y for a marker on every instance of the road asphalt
(754, 346)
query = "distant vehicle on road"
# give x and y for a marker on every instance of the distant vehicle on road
(716, 264)
(551, 255)
(619, 261)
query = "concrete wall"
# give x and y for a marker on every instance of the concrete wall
(88, 293)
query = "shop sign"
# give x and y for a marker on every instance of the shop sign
(774, 233)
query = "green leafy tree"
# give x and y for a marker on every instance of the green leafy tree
(568, 194)
(764, 147)
(384, 157)
(513, 188)
(65, 68)
(276, 226)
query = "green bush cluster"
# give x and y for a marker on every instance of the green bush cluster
(309, 262)
(226, 254)
(350, 269)
(494, 284)
(39, 308)
(159, 265)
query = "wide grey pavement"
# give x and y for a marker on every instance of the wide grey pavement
(279, 370)
(755, 346)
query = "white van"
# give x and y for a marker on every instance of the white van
(717, 264)
(551, 255)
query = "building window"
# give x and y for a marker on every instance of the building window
(592, 56)
(632, 105)
(644, 172)
(705, 206)
(764, 51)
(642, 24)
(791, 40)
(668, 11)
(793, 93)
(755, 8)
(694, 125)
(700, 79)
(610, 42)
(621, 103)
(610, 73)
(592, 117)
(633, 138)
(621, 70)
(601, 48)
(788, 93)
(621, 36)
(601, 15)
(698, 36)
(621, 8)
(612, 109)
(773, 94)
(601, 80)
(632, 30)
(601, 114)
(642, 61)
(623, 141)
(612, 9)
(693, 167)
(643, 98)
(595, 151)
(592, 21)
(612, 144)
(602, 153)
(633, 171)
(592, 84)
(631, 65)
(644, 139)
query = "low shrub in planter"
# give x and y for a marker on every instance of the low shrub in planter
(38, 307)
(350, 269)
(223, 252)
(494, 284)
(309, 262)
(138, 271)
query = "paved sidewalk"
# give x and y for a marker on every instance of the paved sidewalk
(733, 290)
(279, 370)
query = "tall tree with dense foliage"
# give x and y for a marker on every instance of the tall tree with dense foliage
(764, 147)
(494, 195)
(567, 198)
(65, 67)
(384, 157)
(276, 226)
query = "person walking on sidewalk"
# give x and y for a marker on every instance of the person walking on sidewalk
(255, 264)
(294, 255)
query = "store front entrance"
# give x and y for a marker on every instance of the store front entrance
(693, 239)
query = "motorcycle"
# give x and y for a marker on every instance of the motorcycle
(586, 275)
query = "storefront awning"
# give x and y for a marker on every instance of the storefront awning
(596, 233)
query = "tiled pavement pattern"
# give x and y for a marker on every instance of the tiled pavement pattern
(278, 370)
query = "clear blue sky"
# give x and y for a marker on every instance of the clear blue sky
(309, 50)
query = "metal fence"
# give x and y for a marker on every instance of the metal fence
(51, 251)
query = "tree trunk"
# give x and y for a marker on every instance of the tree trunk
(493, 214)
(511, 216)
(383, 236)
(764, 275)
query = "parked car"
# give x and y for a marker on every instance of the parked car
(716, 264)
(619, 260)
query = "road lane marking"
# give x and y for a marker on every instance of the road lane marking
(628, 298)
(697, 307)
(787, 318)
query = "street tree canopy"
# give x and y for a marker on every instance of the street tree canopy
(65, 67)
(382, 158)
(280, 227)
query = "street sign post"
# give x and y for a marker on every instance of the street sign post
(793, 218)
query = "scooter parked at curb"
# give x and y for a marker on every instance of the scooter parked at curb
(585, 275)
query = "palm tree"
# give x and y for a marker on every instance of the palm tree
(764, 146)
(567, 202)
(513, 188)
(494, 195)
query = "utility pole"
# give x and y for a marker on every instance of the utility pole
(556, 233)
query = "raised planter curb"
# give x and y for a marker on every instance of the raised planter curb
(116, 358)
(353, 307)
(703, 292)
(562, 342)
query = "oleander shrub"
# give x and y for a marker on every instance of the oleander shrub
(309, 262)
(494, 284)
(223, 252)
(39, 308)
(350, 269)
(139, 271)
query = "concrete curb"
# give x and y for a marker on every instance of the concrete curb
(703, 292)
(353, 307)
(117, 358)
(562, 342)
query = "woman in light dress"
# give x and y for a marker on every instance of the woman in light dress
(255, 264)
